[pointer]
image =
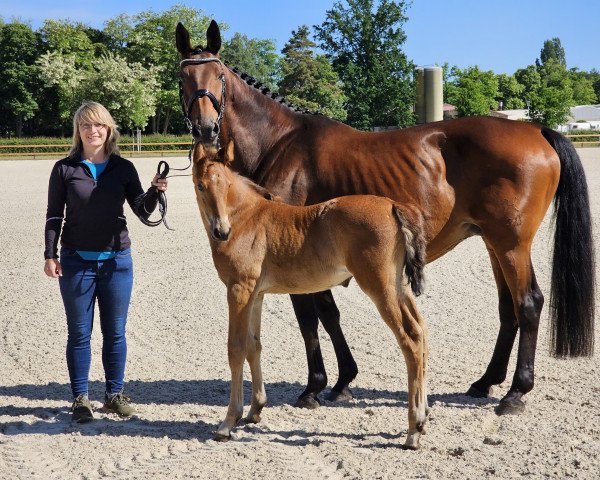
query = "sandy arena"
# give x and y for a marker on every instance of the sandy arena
(178, 374)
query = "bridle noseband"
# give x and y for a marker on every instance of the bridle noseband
(203, 92)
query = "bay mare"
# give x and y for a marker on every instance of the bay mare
(480, 176)
(262, 246)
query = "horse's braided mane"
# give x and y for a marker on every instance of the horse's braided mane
(266, 91)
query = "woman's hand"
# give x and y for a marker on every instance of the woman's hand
(160, 183)
(52, 268)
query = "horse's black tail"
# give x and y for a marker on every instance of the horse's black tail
(573, 270)
(414, 259)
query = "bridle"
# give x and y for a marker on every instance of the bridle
(203, 92)
(163, 167)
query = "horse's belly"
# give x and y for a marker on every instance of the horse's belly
(305, 280)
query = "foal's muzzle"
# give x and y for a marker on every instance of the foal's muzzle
(220, 229)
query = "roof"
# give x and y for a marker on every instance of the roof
(584, 113)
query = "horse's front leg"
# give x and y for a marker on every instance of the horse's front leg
(259, 396)
(347, 368)
(306, 314)
(240, 300)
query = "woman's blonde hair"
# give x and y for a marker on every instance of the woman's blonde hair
(94, 112)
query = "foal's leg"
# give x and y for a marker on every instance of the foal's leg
(412, 306)
(306, 313)
(409, 335)
(259, 396)
(240, 302)
(347, 369)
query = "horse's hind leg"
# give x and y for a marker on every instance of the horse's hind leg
(308, 321)
(527, 301)
(347, 368)
(259, 396)
(495, 373)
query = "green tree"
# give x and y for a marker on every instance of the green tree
(510, 92)
(583, 87)
(363, 39)
(128, 91)
(256, 57)
(72, 38)
(148, 38)
(308, 80)
(473, 91)
(18, 78)
(547, 92)
(60, 72)
(552, 50)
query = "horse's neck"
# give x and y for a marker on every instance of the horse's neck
(256, 124)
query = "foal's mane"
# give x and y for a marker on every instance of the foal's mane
(262, 191)
(266, 91)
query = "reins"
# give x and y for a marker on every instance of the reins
(187, 110)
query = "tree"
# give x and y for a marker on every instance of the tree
(148, 38)
(60, 72)
(72, 38)
(552, 50)
(583, 87)
(510, 92)
(18, 79)
(308, 80)
(473, 91)
(364, 43)
(128, 91)
(547, 91)
(258, 58)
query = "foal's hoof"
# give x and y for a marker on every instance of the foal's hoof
(510, 406)
(336, 396)
(412, 441)
(476, 392)
(309, 401)
(220, 437)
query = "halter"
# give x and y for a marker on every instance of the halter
(203, 92)
(163, 167)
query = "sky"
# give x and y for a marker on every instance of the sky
(498, 35)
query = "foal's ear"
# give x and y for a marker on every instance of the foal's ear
(182, 40)
(228, 155)
(213, 38)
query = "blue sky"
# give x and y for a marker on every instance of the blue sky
(498, 35)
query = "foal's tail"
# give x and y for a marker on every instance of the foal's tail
(573, 270)
(414, 259)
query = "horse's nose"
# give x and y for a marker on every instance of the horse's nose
(205, 133)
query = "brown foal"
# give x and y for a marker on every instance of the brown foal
(262, 246)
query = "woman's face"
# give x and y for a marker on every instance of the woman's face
(93, 134)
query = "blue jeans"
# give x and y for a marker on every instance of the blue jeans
(82, 282)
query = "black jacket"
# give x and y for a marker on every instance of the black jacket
(94, 218)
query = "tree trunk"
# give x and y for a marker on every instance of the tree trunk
(19, 127)
(166, 124)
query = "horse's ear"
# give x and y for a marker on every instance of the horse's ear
(182, 40)
(213, 38)
(229, 149)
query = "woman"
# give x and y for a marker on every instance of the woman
(93, 183)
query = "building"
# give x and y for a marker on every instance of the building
(519, 114)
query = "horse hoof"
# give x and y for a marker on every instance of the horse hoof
(308, 401)
(513, 406)
(412, 441)
(475, 392)
(251, 419)
(336, 396)
(219, 437)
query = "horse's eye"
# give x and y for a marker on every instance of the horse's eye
(201, 186)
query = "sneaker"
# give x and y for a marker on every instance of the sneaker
(82, 410)
(119, 404)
